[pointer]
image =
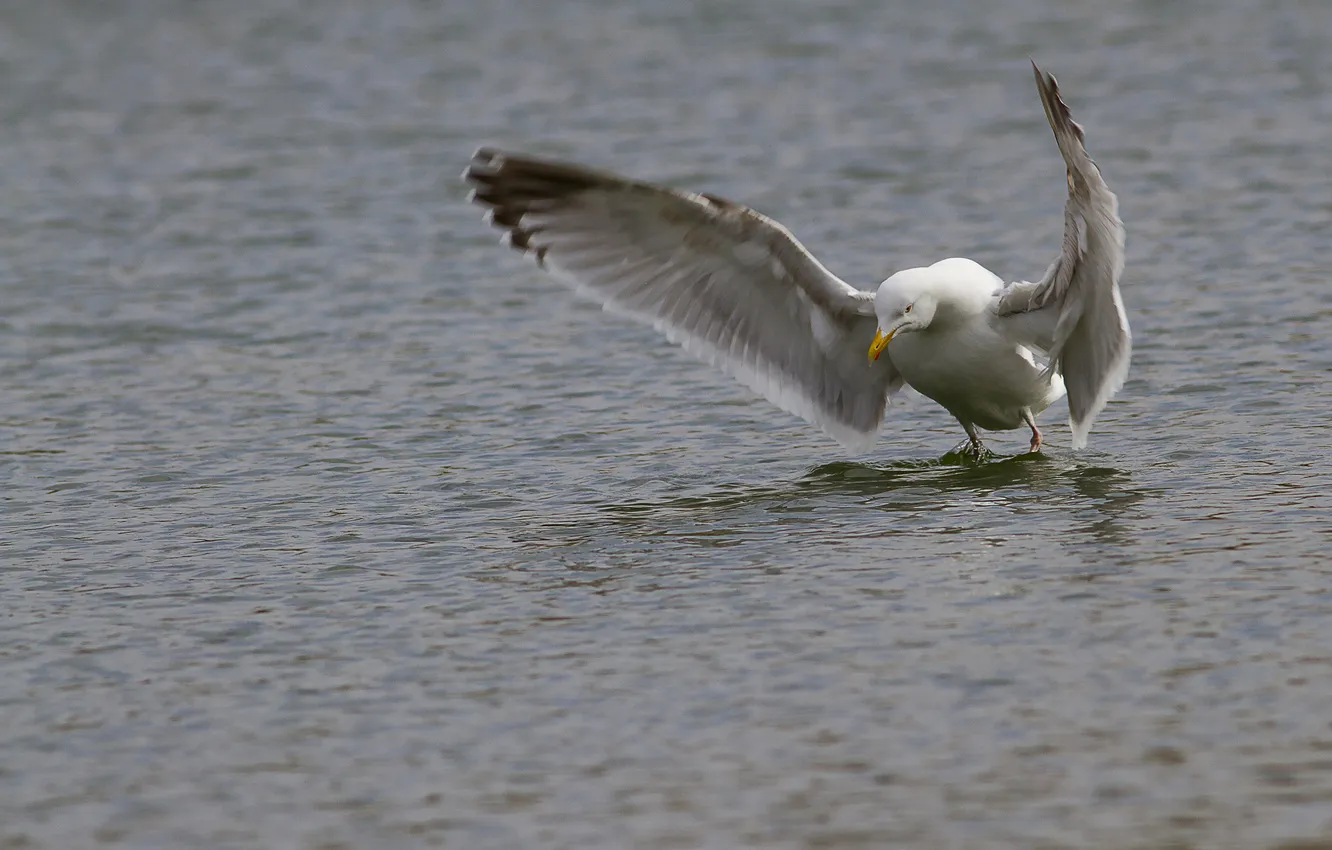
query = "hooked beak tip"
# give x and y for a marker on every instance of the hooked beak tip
(880, 343)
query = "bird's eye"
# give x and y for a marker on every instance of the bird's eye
(908, 309)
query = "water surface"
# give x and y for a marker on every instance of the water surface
(328, 523)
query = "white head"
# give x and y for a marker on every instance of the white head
(910, 300)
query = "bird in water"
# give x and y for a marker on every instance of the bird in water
(736, 288)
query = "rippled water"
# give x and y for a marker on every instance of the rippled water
(327, 523)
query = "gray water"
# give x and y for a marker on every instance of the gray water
(328, 523)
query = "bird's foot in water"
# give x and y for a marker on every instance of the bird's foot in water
(1035, 441)
(971, 450)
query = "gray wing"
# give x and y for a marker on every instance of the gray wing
(1074, 313)
(718, 278)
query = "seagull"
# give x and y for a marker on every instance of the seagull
(734, 287)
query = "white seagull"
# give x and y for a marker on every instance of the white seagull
(736, 288)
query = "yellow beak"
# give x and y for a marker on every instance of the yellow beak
(881, 341)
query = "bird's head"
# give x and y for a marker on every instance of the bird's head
(905, 303)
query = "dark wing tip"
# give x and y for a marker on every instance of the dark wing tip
(481, 172)
(490, 189)
(1056, 110)
(509, 186)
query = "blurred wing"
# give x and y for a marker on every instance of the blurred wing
(1075, 313)
(718, 278)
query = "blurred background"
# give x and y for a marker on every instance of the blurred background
(326, 522)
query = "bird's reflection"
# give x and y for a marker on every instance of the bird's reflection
(950, 475)
(1108, 502)
(1101, 499)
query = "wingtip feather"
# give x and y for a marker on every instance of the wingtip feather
(1057, 111)
(1116, 375)
(483, 165)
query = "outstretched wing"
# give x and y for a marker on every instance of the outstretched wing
(1075, 313)
(718, 278)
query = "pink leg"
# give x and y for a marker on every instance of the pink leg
(1035, 432)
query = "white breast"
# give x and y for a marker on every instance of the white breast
(974, 373)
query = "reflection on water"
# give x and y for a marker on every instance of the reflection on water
(948, 478)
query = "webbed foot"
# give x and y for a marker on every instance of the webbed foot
(973, 447)
(972, 450)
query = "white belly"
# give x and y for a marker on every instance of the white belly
(975, 374)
